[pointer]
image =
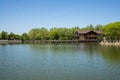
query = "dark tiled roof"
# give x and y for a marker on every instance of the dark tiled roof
(87, 31)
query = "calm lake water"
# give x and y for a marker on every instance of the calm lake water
(59, 62)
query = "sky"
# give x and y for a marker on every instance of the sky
(21, 16)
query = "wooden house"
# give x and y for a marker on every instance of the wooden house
(87, 35)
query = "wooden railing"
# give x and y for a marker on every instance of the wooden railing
(91, 36)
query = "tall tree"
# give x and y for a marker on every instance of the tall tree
(88, 27)
(4, 35)
(32, 34)
(98, 27)
(17, 37)
(24, 36)
(112, 30)
(11, 36)
(39, 33)
(53, 34)
(0, 35)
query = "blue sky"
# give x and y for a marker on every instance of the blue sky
(20, 16)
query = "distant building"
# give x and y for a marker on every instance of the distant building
(87, 35)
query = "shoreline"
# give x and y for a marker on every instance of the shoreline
(116, 43)
(10, 41)
(43, 41)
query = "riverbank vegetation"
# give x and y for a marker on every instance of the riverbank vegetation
(111, 30)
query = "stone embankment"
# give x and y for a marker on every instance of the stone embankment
(110, 43)
(10, 41)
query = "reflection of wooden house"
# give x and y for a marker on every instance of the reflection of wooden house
(87, 35)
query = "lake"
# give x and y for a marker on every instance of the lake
(59, 62)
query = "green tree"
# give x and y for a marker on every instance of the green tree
(65, 33)
(0, 35)
(91, 27)
(17, 37)
(98, 27)
(56, 33)
(4, 35)
(11, 36)
(38, 34)
(32, 34)
(24, 36)
(61, 33)
(88, 27)
(112, 30)
(53, 34)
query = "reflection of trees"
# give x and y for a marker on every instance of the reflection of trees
(108, 53)
(53, 48)
(111, 53)
(62, 48)
(88, 49)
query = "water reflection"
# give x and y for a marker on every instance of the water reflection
(111, 53)
(108, 53)
(59, 62)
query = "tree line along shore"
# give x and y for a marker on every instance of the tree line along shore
(111, 32)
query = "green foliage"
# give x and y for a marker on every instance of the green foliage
(57, 33)
(17, 37)
(0, 35)
(62, 33)
(100, 37)
(88, 27)
(91, 27)
(24, 36)
(31, 34)
(98, 27)
(4, 35)
(112, 30)
(38, 34)
(11, 36)
(53, 34)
